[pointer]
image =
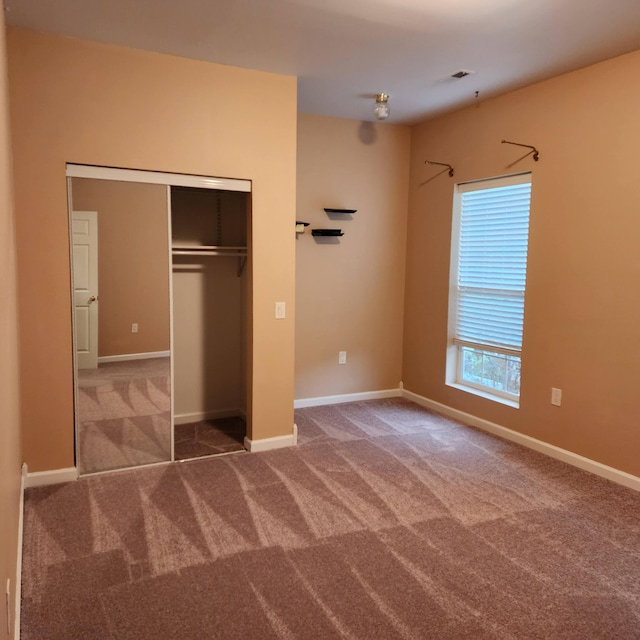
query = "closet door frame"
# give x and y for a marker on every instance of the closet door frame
(157, 177)
(147, 177)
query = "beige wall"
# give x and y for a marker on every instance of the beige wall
(208, 340)
(87, 103)
(582, 313)
(133, 263)
(349, 292)
(10, 457)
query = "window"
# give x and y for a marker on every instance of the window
(488, 271)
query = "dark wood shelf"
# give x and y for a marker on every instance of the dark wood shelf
(333, 233)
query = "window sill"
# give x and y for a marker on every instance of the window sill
(485, 394)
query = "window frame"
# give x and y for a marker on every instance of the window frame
(455, 346)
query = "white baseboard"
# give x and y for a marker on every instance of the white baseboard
(574, 459)
(18, 583)
(56, 476)
(197, 416)
(123, 469)
(134, 356)
(278, 442)
(347, 397)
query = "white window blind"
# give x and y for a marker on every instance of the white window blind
(492, 263)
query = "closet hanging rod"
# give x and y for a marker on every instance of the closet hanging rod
(536, 153)
(442, 164)
(206, 247)
(189, 252)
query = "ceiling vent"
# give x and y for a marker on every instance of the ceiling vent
(461, 74)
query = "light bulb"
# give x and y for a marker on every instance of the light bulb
(381, 109)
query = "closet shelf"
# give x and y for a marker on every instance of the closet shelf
(207, 250)
(340, 210)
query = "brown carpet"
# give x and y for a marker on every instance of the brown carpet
(209, 437)
(124, 415)
(388, 521)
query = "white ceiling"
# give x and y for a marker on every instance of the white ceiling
(345, 51)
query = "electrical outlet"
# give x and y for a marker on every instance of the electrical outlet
(342, 357)
(556, 396)
(134, 327)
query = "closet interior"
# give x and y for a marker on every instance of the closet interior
(209, 284)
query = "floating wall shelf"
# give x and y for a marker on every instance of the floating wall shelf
(300, 226)
(327, 232)
(340, 210)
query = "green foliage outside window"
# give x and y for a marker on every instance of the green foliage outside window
(495, 370)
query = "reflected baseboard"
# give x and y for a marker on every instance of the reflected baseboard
(134, 356)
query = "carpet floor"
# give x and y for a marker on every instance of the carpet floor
(387, 521)
(209, 437)
(124, 415)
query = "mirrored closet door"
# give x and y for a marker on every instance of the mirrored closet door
(160, 294)
(120, 236)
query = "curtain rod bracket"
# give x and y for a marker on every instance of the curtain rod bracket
(442, 164)
(536, 153)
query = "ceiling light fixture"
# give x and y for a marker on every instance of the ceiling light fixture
(381, 109)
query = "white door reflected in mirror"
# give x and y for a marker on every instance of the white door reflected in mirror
(85, 287)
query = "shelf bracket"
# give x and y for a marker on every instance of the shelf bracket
(536, 153)
(442, 164)
(241, 264)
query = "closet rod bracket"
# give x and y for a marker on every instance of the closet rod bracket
(241, 264)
